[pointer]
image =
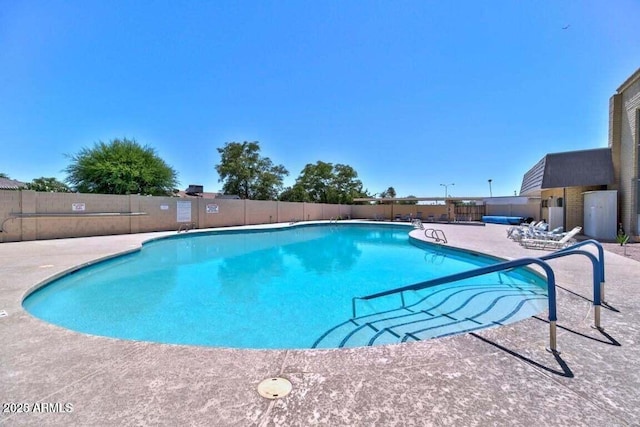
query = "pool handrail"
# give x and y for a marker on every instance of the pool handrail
(521, 262)
(597, 284)
(434, 235)
(598, 245)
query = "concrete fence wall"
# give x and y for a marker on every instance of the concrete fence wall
(529, 210)
(390, 211)
(30, 215)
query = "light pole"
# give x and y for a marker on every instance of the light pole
(446, 193)
(490, 192)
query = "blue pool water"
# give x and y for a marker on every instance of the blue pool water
(290, 288)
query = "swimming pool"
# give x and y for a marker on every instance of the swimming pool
(285, 288)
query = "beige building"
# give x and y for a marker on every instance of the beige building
(561, 180)
(624, 140)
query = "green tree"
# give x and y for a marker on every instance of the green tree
(408, 202)
(347, 184)
(325, 183)
(121, 166)
(48, 185)
(388, 193)
(245, 173)
(4, 175)
(294, 193)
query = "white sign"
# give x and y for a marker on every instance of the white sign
(213, 209)
(78, 207)
(184, 211)
(164, 207)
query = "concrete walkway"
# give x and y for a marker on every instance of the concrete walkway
(501, 376)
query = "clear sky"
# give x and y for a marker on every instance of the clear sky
(412, 94)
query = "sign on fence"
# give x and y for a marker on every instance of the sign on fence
(184, 211)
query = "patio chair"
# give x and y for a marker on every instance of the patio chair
(529, 231)
(547, 243)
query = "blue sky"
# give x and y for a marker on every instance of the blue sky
(412, 94)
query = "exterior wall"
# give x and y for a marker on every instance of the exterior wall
(290, 211)
(624, 140)
(615, 118)
(256, 211)
(161, 213)
(54, 215)
(10, 202)
(54, 203)
(390, 211)
(573, 204)
(531, 210)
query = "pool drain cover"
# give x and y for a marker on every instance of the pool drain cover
(274, 388)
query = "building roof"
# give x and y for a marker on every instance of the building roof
(206, 195)
(11, 184)
(569, 169)
(631, 80)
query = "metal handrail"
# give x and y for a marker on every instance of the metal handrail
(186, 227)
(551, 289)
(598, 245)
(597, 268)
(433, 233)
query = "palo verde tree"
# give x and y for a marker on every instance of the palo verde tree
(388, 193)
(324, 182)
(121, 166)
(246, 173)
(50, 185)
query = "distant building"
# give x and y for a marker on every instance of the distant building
(198, 191)
(11, 184)
(624, 140)
(560, 179)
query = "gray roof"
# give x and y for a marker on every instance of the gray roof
(11, 184)
(569, 169)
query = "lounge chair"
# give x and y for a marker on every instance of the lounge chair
(527, 231)
(548, 243)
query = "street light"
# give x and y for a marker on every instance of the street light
(445, 188)
(490, 192)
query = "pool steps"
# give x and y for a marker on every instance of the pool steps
(437, 313)
(395, 331)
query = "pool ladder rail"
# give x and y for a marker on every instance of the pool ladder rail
(598, 276)
(430, 233)
(186, 227)
(435, 234)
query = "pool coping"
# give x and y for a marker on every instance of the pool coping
(500, 376)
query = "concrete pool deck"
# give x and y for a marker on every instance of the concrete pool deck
(499, 376)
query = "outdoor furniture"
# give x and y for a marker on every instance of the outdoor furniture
(547, 243)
